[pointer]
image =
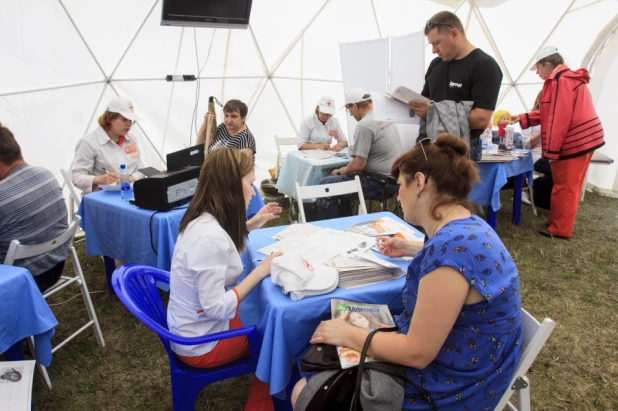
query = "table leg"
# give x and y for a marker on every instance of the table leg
(491, 217)
(110, 266)
(14, 353)
(517, 188)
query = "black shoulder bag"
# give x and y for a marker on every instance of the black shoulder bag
(342, 391)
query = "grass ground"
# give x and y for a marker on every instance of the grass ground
(573, 282)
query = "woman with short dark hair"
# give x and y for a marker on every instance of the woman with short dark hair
(232, 132)
(460, 331)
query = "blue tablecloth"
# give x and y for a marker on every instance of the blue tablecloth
(287, 325)
(121, 230)
(297, 167)
(24, 312)
(494, 176)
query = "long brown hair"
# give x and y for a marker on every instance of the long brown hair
(219, 192)
(447, 165)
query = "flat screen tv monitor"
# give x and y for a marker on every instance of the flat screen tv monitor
(231, 14)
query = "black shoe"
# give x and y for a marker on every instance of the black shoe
(546, 233)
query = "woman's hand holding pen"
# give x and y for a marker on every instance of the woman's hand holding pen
(398, 247)
(107, 178)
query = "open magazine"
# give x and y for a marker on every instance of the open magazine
(369, 316)
(405, 95)
(386, 226)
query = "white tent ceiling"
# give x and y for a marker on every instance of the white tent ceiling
(64, 59)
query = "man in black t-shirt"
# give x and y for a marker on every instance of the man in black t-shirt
(461, 72)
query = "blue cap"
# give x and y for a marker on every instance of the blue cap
(122, 166)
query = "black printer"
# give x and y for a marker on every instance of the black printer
(165, 191)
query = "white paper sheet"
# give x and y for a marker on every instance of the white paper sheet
(16, 385)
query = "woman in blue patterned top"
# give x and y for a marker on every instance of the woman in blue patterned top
(460, 331)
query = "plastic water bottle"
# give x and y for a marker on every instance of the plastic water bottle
(125, 183)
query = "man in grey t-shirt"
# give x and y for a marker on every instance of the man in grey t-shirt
(376, 147)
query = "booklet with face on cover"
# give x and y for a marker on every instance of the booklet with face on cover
(369, 316)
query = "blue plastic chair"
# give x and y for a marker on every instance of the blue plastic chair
(136, 287)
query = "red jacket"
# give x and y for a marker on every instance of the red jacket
(569, 123)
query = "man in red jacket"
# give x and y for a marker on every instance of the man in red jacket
(570, 132)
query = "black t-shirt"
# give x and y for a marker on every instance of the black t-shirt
(476, 78)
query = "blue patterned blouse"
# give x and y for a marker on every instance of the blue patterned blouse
(478, 358)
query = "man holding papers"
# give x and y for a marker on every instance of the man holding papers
(376, 146)
(461, 72)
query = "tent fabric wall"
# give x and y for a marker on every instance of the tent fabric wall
(64, 59)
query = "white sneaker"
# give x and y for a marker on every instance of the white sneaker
(524, 198)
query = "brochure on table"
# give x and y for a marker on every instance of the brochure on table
(16, 385)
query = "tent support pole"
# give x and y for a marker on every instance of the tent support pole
(36, 90)
(126, 50)
(169, 106)
(531, 61)
(82, 37)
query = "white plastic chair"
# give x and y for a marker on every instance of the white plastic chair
(282, 141)
(18, 251)
(535, 336)
(330, 190)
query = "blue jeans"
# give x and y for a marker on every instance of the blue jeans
(476, 149)
(328, 207)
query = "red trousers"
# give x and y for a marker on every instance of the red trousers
(230, 350)
(568, 176)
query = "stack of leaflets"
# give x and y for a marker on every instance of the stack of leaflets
(361, 268)
(369, 316)
(350, 253)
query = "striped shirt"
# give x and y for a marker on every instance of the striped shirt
(33, 211)
(244, 139)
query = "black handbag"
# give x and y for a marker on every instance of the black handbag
(342, 390)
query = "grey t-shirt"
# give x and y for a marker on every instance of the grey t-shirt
(378, 142)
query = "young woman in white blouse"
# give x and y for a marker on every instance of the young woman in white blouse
(319, 128)
(204, 288)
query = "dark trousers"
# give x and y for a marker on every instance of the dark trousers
(339, 206)
(49, 277)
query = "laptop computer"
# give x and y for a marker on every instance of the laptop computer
(190, 156)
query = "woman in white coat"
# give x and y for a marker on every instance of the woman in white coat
(320, 127)
(98, 154)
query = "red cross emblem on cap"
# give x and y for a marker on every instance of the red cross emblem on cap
(130, 107)
(329, 103)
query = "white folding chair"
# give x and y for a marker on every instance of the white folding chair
(330, 190)
(18, 251)
(282, 141)
(73, 195)
(535, 336)
(74, 200)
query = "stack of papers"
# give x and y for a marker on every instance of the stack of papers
(318, 154)
(363, 268)
(499, 157)
(297, 231)
(349, 253)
